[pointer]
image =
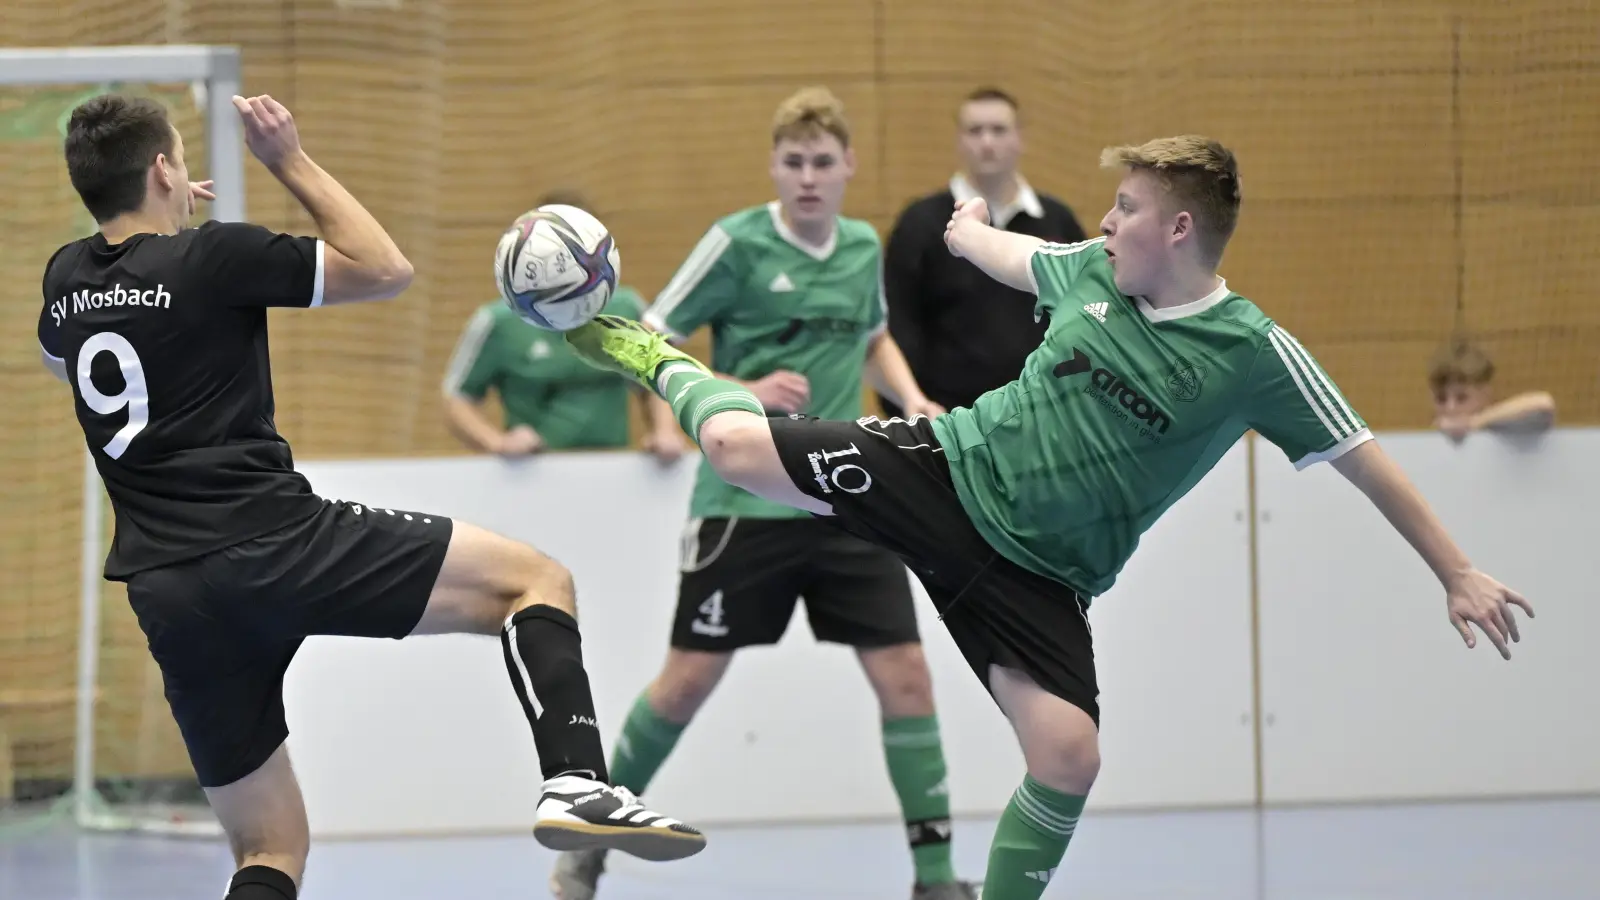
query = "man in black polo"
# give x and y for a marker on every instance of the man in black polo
(962, 332)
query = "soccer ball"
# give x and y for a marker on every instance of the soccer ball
(556, 266)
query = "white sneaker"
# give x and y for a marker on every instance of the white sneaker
(579, 813)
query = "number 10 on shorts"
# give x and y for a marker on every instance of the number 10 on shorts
(849, 477)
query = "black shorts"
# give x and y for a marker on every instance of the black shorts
(740, 578)
(223, 627)
(889, 484)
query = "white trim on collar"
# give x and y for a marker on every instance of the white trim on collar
(787, 233)
(1184, 310)
(1026, 200)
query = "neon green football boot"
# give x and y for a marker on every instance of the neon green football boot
(626, 347)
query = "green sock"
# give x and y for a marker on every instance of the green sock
(644, 744)
(1030, 841)
(696, 394)
(916, 766)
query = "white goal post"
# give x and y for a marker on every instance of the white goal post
(213, 73)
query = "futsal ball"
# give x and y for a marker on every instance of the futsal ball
(556, 267)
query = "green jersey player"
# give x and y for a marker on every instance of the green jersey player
(1018, 510)
(793, 293)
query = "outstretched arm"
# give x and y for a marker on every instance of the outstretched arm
(1471, 596)
(1002, 255)
(1529, 412)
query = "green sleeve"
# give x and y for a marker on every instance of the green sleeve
(1295, 405)
(1053, 267)
(704, 286)
(472, 366)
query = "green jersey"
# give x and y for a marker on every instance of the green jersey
(776, 303)
(1121, 410)
(541, 382)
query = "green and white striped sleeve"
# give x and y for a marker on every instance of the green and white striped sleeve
(1295, 405)
(472, 371)
(705, 285)
(1054, 267)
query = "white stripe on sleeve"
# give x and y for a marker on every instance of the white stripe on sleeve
(317, 281)
(1303, 379)
(467, 349)
(689, 275)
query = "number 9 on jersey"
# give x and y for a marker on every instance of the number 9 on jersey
(135, 396)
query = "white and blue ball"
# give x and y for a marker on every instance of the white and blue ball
(556, 267)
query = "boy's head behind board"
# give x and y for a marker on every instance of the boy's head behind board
(1460, 379)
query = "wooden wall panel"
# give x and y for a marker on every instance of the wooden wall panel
(735, 42)
(707, 149)
(573, 139)
(1347, 270)
(1533, 265)
(527, 45)
(1528, 34)
(1532, 134)
(1318, 136)
(941, 39)
(1266, 39)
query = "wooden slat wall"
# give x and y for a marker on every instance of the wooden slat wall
(1409, 168)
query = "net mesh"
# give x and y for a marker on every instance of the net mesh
(1413, 171)
(141, 758)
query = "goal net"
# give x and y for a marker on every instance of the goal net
(85, 733)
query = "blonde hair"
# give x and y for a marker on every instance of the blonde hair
(1460, 362)
(1199, 174)
(810, 113)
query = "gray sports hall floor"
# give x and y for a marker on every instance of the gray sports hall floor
(1547, 850)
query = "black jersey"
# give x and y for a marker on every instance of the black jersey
(164, 340)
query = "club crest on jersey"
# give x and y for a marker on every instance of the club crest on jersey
(1186, 381)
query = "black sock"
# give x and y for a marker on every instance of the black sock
(545, 657)
(261, 883)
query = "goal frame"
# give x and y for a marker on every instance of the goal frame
(214, 73)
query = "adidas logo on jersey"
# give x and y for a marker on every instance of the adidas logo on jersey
(1098, 310)
(781, 284)
(1043, 875)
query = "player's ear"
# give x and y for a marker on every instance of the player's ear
(1182, 225)
(849, 160)
(163, 170)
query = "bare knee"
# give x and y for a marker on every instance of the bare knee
(544, 582)
(899, 676)
(730, 442)
(1068, 761)
(486, 578)
(1060, 742)
(685, 683)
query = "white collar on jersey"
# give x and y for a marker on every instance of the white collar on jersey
(787, 233)
(1183, 310)
(1025, 201)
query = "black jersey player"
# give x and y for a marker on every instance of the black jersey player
(229, 557)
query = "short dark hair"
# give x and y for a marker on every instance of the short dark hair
(992, 93)
(112, 140)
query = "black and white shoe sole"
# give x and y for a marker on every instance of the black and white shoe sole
(652, 844)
